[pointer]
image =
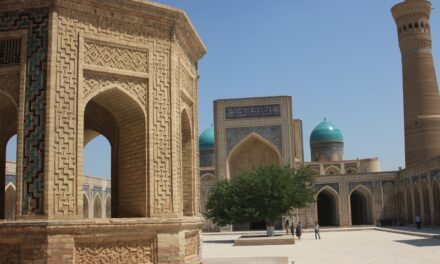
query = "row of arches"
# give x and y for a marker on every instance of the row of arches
(422, 200)
(95, 208)
(360, 204)
(119, 117)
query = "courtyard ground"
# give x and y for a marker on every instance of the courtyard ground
(341, 247)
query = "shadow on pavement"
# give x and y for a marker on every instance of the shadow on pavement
(219, 241)
(421, 242)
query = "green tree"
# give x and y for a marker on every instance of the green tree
(265, 193)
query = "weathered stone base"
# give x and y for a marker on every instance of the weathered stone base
(259, 240)
(116, 240)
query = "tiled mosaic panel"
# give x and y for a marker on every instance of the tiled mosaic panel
(270, 133)
(252, 111)
(36, 22)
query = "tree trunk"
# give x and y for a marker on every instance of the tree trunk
(270, 230)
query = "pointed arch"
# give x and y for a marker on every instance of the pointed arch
(332, 169)
(250, 153)
(361, 206)
(10, 194)
(426, 214)
(9, 124)
(207, 177)
(436, 200)
(85, 205)
(417, 200)
(108, 207)
(389, 197)
(120, 117)
(187, 161)
(409, 205)
(97, 206)
(327, 206)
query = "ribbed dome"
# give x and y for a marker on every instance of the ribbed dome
(326, 131)
(206, 139)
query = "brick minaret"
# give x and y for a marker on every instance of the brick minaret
(420, 91)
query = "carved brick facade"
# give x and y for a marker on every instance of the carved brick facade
(124, 69)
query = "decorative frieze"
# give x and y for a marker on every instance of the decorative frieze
(123, 58)
(234, 112)
(116, 252)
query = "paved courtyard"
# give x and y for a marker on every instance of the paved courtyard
(365, 246)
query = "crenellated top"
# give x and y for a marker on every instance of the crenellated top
(409, 10)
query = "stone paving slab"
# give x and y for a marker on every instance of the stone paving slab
(262, 260)
(366, 246)
(258, 240)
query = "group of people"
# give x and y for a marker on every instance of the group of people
(298, 229)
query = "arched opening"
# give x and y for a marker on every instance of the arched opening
(426, 206)
(252, 152)
(409, 207)
(97, 163)
(122, 121)
(8, 121)
(187, 165)
(389, 204)
(97, 208)
(401, 205)
(332, 170)
(108, 207)
(328, 208)
(10, 202)
(436, 196)
(417, 201)
(361, 207)
(85, 206)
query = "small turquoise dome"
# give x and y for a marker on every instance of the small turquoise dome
(206, 139)
(326, 131)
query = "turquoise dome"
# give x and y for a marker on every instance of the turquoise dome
(206, 139)
(326, 131)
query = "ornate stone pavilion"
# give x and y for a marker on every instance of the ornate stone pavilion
(125, 69)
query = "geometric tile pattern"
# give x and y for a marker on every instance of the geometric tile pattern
(36, 22)
(115, 57)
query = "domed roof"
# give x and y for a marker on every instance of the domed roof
(326, 131)
(206, 139)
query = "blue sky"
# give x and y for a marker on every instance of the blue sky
(337, 59)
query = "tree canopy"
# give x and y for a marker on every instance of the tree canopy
(265, 193)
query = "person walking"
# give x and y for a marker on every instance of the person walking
(298, 230)
(317, 230)
(418, 222)
(287, 226)
(292, 230)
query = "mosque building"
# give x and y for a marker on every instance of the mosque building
(254, 131)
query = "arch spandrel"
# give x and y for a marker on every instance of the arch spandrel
(250, 153)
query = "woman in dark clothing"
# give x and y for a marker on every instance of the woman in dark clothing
(298, 230)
